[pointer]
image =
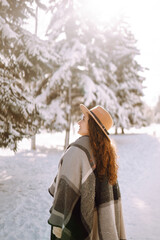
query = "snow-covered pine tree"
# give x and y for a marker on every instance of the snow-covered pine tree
(81, 73)
(17, 111)
(129, 90)
(148, 112)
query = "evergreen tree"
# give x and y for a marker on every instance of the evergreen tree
(20, 52)
(81, 73)
(95, 65)
(17, 112)
(129, 85)
(148, 113)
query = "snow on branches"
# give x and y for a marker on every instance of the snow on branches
(18, 114)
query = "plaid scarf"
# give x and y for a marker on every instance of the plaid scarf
(84, 207)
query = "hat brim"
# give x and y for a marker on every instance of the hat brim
(84, 109)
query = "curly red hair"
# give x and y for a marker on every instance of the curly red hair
(104, 153)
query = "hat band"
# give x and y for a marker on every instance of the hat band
(100, 123)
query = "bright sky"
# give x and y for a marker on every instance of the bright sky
(144, 19)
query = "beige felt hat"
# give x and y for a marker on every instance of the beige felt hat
(101, 116)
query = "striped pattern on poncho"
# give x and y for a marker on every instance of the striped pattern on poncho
(84, 207)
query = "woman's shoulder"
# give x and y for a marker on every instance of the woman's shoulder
(80, 148)
(83, 142)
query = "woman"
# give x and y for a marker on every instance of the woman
(87, 201)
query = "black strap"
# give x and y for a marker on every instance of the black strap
(100, 123)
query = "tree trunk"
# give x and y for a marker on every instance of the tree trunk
(122, 130)
(33, 142)
(116, 130)
(36, 21)
(69, 101)
(33, 138)
(66, 138)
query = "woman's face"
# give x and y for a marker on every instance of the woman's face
(83, 125)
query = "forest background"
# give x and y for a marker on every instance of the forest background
(81, 59)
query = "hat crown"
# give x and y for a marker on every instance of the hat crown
(103, 116)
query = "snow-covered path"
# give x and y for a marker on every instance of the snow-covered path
(24, 198)
(139, 178)
(25, 177)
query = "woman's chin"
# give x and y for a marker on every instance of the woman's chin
(79, 132)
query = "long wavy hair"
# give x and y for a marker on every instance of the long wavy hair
(104, 152)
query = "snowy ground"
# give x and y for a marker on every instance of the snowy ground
(26, 175)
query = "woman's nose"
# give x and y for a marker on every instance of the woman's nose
(79, 122)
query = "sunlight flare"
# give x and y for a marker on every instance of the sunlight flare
(104, 10)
